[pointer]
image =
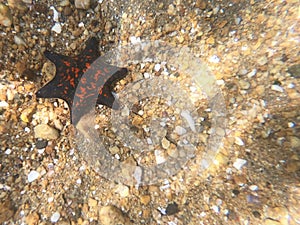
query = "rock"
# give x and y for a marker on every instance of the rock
(55, 217)
(165, 143)
(32, 176)
(239, 163)
(239, 141)
(32, 219)
(41, 143)
(56, 28)
(5, 16)
(172, 209)
(92, 202)
(6, 211)
(201, 4)
(82, 4)
(44, 131)
(295, 142)
(18, 5)
(245, 85)
(111, 215)
(294, 70)
(145, 199)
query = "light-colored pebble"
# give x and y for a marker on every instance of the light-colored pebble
(32, 176)
(5, 16)
(239, 163)
(180, 130)
(55, 217)
(44, 131)
(239, 141)
(110, 215)
(57, 28)
(276, 87)
(82, 4)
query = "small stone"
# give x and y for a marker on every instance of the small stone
(82, 4)
(238, 20)
(32, 219)
(172, 209)
(19, 41)
(171, 10)
(56, 28)
(160, 156)
(239, 163)
(295, 142)
(32, 176)
(145, 199)
(111, 215)
(180, 130)
(55, 217)
(122, 190)
(245, 85)
(276, 87)
(114, 150)
(41, 143)
(262, 60)
(5, 16)
(92, 202)
(165, 143)
(6, 211)
(292, 165)
(201, 4)
(239, 141)
(294, 70)
(210, 40)
(240, 180)
(17, 4)
(44, 131)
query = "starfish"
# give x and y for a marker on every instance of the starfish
(98, 76)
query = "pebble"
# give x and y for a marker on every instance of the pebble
(5, 16)
(33, 175)
(239, 163)
(180, 130)
(262, 60)
(17, 4)
(82, 4)
(145, 199)
(295, 142)
(245, 85)
(239, 141)
(165, 143)
(19, 41)
(44, 131)
(56, 28)
(159, 156)
(92, 202)
(294, 70)
(32, 219)
(3, 104)
(55, 217)
(111, 215)
(123, 190)
(276, 87)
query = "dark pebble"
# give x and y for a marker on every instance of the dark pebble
(294, 70)
(172, 209)
(41, 143)
(256, 214)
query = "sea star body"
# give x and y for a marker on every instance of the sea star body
(69, 72)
